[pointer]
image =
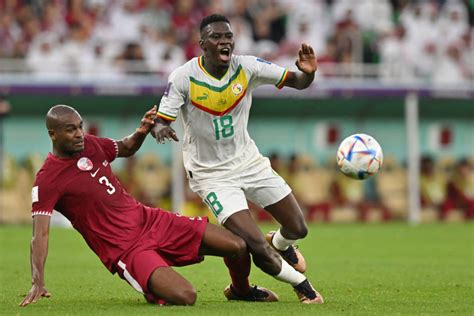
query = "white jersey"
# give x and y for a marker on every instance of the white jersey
(215, 113)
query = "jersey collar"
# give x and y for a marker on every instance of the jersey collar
(201, 65)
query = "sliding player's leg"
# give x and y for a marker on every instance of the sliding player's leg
(167, 285)
(149, 273)
(218, 241)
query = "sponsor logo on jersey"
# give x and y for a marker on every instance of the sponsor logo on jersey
(237, 88)
(34, 194)
(105, 163)
(222, 102)
(84, 164)
(203, 96)
(263, 61)
(93, 174)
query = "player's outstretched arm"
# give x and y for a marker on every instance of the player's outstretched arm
(129, 145)
(307, 64)
(38, 254)
(162, 131)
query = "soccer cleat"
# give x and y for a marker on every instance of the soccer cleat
(307, 294)
(291, 255)
(256, 294)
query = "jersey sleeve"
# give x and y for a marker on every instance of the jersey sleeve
(264, 72)
(109, 146)
(44, 196)
(175, 95)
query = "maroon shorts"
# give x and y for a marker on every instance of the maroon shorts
(173, 240)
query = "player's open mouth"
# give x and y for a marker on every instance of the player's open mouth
(80, 143)
(224, 54)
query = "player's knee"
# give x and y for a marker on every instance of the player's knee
(302, 231)
(185, 297)
(239, 247)
(297, 232)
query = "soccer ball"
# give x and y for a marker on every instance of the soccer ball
(359, 156)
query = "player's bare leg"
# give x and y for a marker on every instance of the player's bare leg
(293, 226)
(221, 242)
(168, 286)
(218, 241)
(266, 258)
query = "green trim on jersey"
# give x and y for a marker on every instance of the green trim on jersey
(214, 88)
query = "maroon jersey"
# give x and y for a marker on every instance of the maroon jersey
(84, 189)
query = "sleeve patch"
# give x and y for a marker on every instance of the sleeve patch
(167, 89)
(34, 194)
(263, 61)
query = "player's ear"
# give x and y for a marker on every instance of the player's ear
(201, 44)
(52, 134)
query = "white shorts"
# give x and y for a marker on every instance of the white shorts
(258, 183)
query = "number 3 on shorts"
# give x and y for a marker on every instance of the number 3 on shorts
(214, 204)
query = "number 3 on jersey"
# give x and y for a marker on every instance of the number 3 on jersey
(110, 187)
(223, 127)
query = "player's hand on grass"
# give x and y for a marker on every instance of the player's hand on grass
(148, 121)
(36, 292)
(306, 61)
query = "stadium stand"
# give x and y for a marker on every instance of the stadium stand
(392, 41)
(87, 38)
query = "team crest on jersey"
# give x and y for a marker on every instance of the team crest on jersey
(237, 88)
(84, 164)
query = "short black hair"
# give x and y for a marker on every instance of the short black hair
(211, 19)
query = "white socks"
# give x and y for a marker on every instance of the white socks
(289, 275)
(280, 242)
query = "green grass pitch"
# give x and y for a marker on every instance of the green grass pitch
(374, 269)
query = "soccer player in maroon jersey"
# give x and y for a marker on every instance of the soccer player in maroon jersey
(138, 242)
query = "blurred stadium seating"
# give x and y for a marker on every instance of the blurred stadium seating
(110, 59)
(394, 40)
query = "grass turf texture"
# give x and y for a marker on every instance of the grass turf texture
(359, 269)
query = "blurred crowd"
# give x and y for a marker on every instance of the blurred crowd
(446, 189)
(324, 193)
(429, 40)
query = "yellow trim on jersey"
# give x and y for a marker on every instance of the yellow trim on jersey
(282, 80)
(166, 116)
(201, 65)
(218, 100)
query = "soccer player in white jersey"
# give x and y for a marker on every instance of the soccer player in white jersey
(213, 94)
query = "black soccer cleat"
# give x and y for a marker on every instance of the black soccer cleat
(307, 294)
(255, 294)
